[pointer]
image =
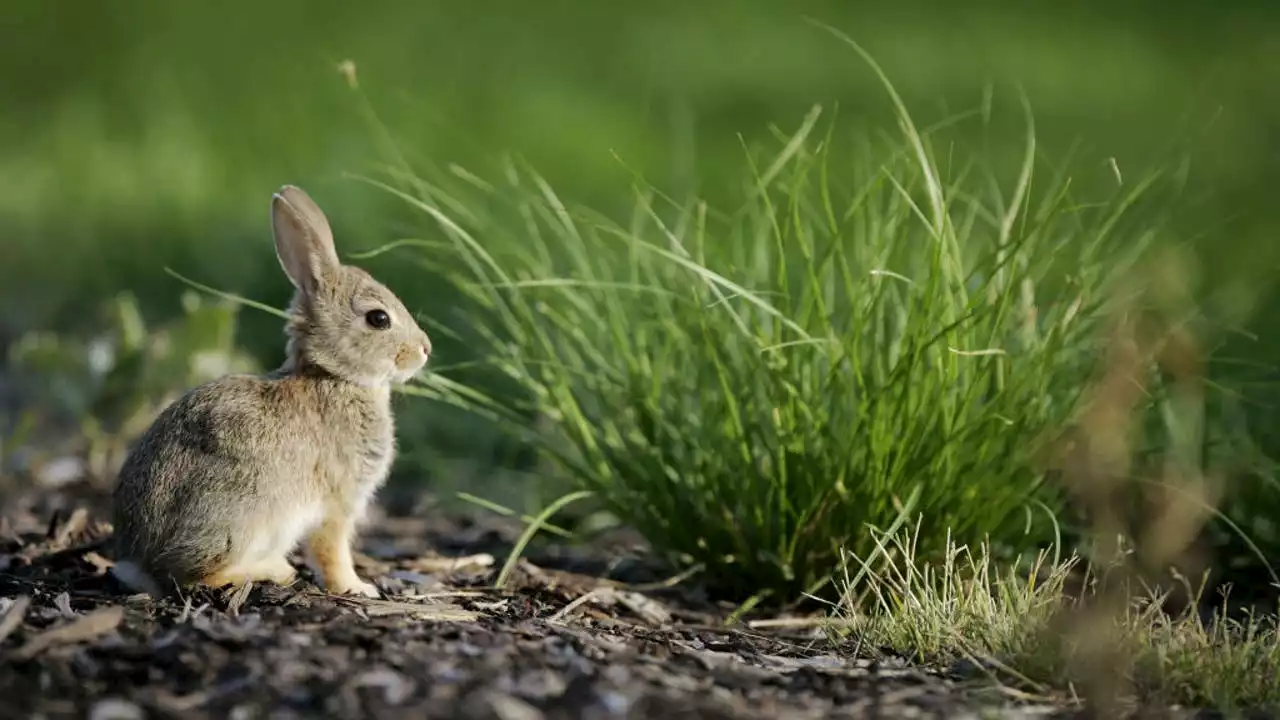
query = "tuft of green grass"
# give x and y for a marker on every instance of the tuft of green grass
(870, 330)
(970, 607)
(868, 335)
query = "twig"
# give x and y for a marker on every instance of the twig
(577, 603)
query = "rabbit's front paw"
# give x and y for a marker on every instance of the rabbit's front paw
(330, 548)
(357, 587)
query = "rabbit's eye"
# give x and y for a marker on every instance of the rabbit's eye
(378, 319)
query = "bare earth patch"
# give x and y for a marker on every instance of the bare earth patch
(558, 642)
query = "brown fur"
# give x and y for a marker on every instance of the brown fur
(238, 472)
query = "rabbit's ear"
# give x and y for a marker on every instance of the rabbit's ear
(304, 241)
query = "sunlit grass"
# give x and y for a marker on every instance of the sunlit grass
(875, 331)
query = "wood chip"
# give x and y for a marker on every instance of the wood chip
(648, 609)
(87, 627)
(564, 581)
(509, 707)
(395, 687)
(449, 565)
(445, 594)
(13, 618)
(116, 709)
(239, 594)
(78, 521)
(425, 611)
(7, 532)
(560, 615)
(816, 621)
(97, 561)
(63, 603)
(496, 606)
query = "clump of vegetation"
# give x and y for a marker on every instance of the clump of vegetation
(870, 334)
(1020, 625)
(1128, 622)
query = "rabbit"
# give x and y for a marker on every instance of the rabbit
(234, 475)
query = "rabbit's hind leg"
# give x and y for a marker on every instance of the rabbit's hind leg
(276, 570)
(259, 543)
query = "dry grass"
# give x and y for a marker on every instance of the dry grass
(1125, 625)
(969, 607)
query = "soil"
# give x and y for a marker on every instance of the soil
(574, 633)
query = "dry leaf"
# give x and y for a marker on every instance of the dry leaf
(87, 627)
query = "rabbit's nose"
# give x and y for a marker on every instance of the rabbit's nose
(426, 346)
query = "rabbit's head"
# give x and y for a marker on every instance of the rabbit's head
(342, 320)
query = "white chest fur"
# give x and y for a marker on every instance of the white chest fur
(281, 534)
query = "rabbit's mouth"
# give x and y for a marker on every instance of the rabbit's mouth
(409, 361)
(400, 377)
(403, 373)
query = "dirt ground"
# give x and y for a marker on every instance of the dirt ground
(574, 634)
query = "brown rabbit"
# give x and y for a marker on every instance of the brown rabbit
(236, 473)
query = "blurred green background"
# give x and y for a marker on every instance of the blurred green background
(140, 134)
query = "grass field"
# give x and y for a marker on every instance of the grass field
(819, 310)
